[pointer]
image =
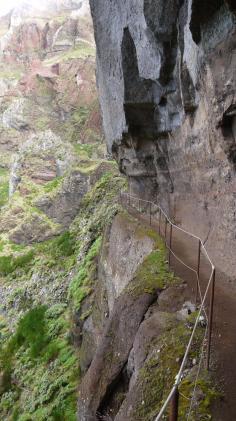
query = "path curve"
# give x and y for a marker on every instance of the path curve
(223, 360)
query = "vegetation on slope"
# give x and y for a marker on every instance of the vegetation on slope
(39, 362)
(4, 186)
(158, 375)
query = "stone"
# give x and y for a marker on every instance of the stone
(150, 329)
(34, 228)
(124, 247)
(14, 117)
(186, 310)
(112, 353)
(64, 206)
(160, 64)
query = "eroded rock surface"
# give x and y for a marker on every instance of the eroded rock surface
(113, 352)
(166, 77)
(50, 121)
(134, 317)
(125, 247)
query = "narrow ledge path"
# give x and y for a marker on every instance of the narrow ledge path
(223, 357)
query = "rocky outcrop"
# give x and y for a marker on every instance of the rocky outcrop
(48, 114)
(34, 229)
(41, 158)
(14, 117)
(125, 247)
(112, 353)
(166, 80)
(63, 205)
(28, 36)
(126, 351)
(118, 329)
(111, 281)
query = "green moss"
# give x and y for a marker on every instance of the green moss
(65, 244)
(4, 186)
(82, 284)
(87, 166)
(75, 125)
(3, 172)
(157, 376)
(153, 274)
(47, 365)
(42, 123)
(52, 185)
(108, 187)
(10, 263)
(79, 117)
(99, 206)
(206, 392)
(31, 331)
(82, 50)
(57, 252)
(85, 150)
(46, 375)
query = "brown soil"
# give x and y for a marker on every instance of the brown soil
(223, 355)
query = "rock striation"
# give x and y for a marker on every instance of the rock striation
(166, 79)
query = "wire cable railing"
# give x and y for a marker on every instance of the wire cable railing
(153, 210)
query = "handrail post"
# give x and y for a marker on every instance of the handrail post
(165, 228)
(211, 318)
(129, 200)
(159, 221)
(198, 268)
(170, 245)
(150, 210)
(174, 406)
(139, 206)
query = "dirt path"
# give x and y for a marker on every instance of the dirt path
(223, 358)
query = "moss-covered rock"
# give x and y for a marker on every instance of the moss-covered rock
(41, 290)
(4, 186)
(159, 348)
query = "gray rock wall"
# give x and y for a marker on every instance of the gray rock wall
(166, 79)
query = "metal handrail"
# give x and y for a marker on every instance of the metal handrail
(211, 282)
(171, 223)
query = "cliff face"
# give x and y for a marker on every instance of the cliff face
(52, 165)
(86, 297)
(166, 78)
(49, 116)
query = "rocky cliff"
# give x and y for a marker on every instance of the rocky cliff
(93, 324)
(166, 78)
(50, 120)
(57, 190)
